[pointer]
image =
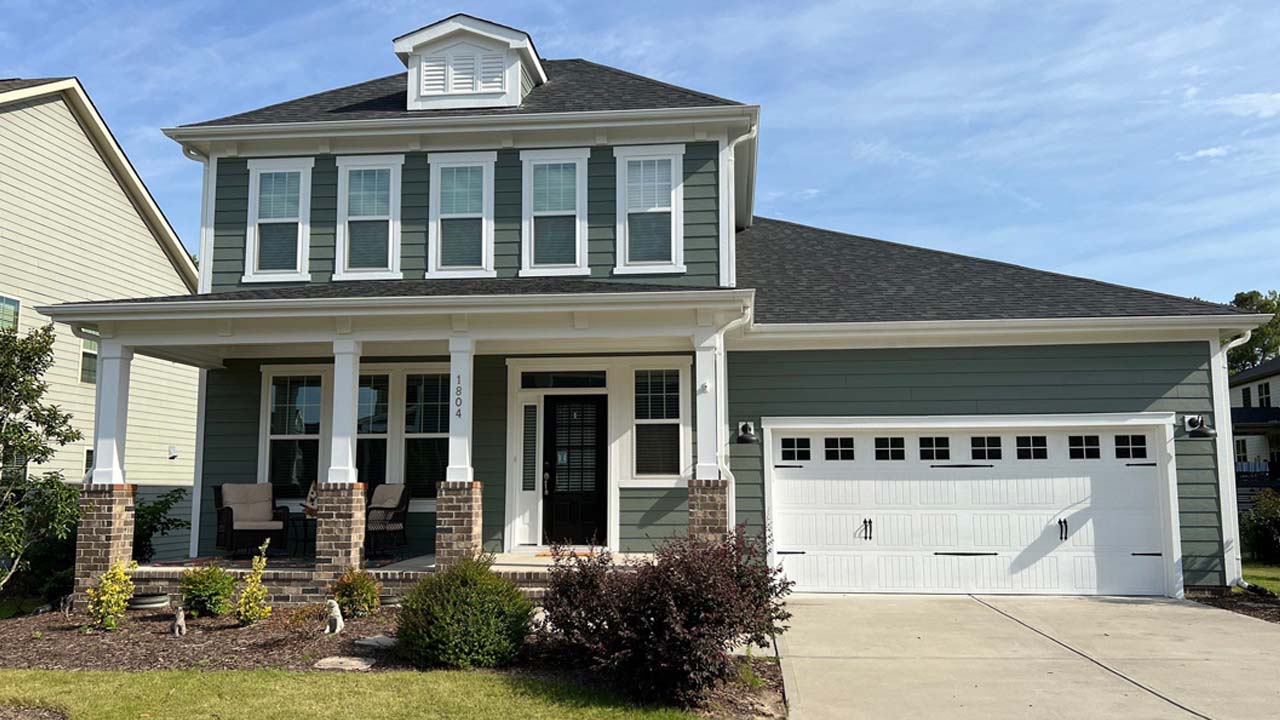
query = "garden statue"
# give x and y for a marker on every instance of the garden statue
(335, 619)
(179, 627)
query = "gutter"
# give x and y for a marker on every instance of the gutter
(1165, 322)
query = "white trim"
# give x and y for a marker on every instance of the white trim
(578, 157)
(257, 167)
(1229, 515)
(1163, 422)
(435, 161)
(208, 197)
(624, 154)
(724, 200)
(393, 164)
(197, 481)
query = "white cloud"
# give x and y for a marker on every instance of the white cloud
(1216, 151)
(1258, 105)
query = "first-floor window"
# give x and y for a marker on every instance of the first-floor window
(657, 422)
(372, 429)
(89, 360)
(293, 442)
(426, 433)
(8, 313)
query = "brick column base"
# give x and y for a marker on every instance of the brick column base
(708, 509)
(340, 518)
(458, 522)
(104, 535)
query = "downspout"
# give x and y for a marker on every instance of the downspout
(722, 456)
(731, 260)
(1237, 558)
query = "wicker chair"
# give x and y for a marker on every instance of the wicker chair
(247, 516)
(387, 517)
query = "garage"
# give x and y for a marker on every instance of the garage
(1066, 504)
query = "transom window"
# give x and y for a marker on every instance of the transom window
(891, 448)
(985, 447)
(650, 216)
(1131, 447)
(838, 448)
(658, 412)
(935, 448)
(1264, 394)
(1083, 447)
(8, 313)
(555, 212)
(1032, 447)
(461, 210)
(795, 449)
(296, 408)
(89, 359)
(368, 232)
(278, 235)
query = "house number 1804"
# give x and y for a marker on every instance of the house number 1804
(457, 398)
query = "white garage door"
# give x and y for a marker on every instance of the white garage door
(1056, 510)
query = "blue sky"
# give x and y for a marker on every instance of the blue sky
(1134, 142)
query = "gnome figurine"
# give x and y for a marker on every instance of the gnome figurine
(179, 626)
(335, 619)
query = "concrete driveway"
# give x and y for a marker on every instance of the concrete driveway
(957, 657)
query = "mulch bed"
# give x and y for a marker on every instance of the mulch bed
(26, 713)
(1245, 603)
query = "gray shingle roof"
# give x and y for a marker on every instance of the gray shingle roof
(7, 84)
(807, 275)
(572, 86)
(1265, 369)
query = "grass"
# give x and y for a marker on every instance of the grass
(1267, 576)
(279, 695)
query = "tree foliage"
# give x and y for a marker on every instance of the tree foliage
(153, 518)
(41, 508)
(1265, 343)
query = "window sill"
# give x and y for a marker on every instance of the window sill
(648, 269)
(368, 275)
(555, 271)
(282, 277)
(653, 482)
(469, 273)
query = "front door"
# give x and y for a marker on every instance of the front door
(574, 469)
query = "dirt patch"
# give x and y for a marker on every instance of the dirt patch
(756, 694)
(1245, 603)
(27, 713)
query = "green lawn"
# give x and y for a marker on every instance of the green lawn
(1267, 576)
(272, 695)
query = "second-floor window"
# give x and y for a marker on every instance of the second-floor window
(278, 236)
(8, 313)
(650, 201)
(554, 199)
(461, 207)
(89, 360)
(1246, 397)
(368, 232)
(1264, 394)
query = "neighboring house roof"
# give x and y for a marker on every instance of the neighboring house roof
(1257, 372)
(804, 274)
(17, 89)
(572, 86)
(1255, 418)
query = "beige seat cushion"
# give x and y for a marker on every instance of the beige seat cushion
(386, 497)
(257, 525)
(249, 502)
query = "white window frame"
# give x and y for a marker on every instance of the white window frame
(684, 423)
(17, 310)
(80, 362)
(623, 155)
(1242, 450)
(435, 162)
(1264, 398)
(265, 436)
(578, 157)
(300, 273)
(346, 164)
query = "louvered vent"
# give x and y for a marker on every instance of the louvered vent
(463, 76)
(492, 73)
(433, 75)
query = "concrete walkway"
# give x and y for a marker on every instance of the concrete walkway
(958, 657)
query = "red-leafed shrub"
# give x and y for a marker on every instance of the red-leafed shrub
(663, 628)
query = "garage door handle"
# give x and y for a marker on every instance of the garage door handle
(788, 466)
(1145, 464)
(790, 552)
(1062, 529)
(1146, 554)
(967, 554)
(963, 465)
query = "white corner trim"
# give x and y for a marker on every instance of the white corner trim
(303, 167)
(197, 482)
(436, 161)
(578, 157)
(622, 155)
(393, 164)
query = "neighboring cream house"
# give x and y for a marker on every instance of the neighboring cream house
(1256, 416)
(77, 224)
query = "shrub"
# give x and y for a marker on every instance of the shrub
(252, 605)
(109, 600)
(357, 593)
(153, 518)
(1260, 527)
(663, 628)
(463, 617)
(207, 590)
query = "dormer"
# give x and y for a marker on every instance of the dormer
(465, 62)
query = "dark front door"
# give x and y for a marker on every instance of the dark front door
(574, 469)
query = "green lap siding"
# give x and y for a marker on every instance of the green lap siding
(1139, 377)
(175, 545)
(648, 516)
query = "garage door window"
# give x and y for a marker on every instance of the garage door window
(1033, 447)
(985, 447)
(1131, 447)
(839, 448)
(935, 448)
(891, 448)
(1084, 447)
(795, 449)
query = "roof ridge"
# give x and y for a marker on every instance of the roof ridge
(656, 81)
(1002, 263)
(297, 99)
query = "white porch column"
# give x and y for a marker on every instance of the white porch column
(461, 356)
(346, 390)
(708, 346)
(111, 413)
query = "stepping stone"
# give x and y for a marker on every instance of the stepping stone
(380, 642)
(345, 663)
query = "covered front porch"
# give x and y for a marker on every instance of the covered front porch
(402, 433)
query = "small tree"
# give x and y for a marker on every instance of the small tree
(38, 509)
(252, 605)
(1264, 343)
